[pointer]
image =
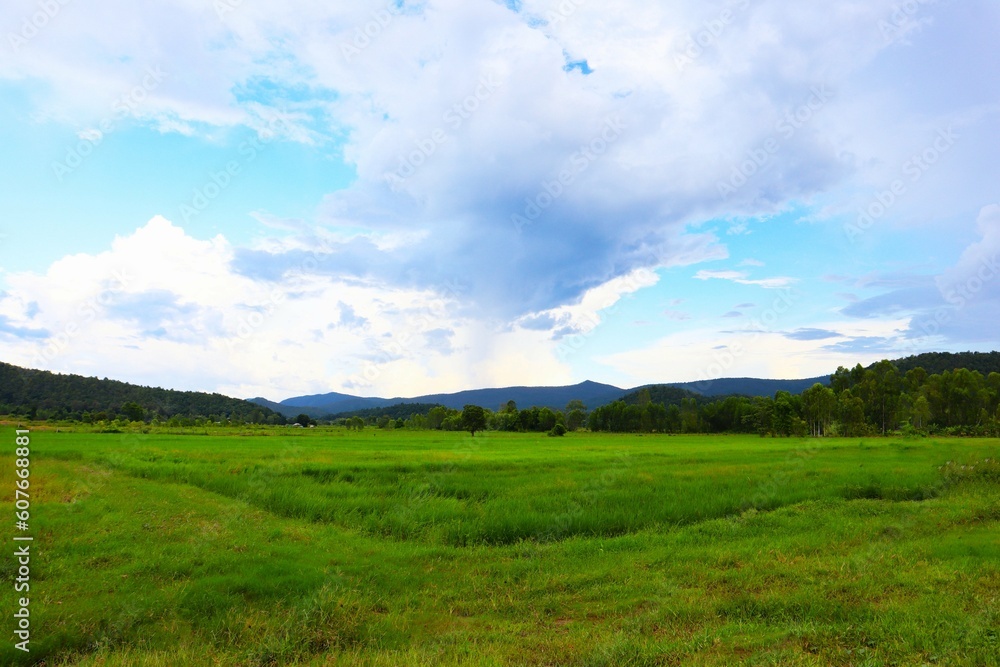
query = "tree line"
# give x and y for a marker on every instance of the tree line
(506, 417)
(859, 401)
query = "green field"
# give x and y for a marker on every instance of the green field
(422, 548)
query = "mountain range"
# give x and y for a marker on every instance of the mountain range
(592, 394)
(595, 394)
(48, 395)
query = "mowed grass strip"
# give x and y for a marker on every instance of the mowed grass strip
(195, 550)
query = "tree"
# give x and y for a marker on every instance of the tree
(852, 414)
(546, 419)
(133, 411)
(436, 417)
(576, 414)
(819, 403)
(473, 419)
(841, 380)
(575, 419)
(784, 413)
(884, 391)
(527, 420)
(689, 415)
(303, 420)
(914, 380)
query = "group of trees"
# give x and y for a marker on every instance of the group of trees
(860, 401)
(471, 418)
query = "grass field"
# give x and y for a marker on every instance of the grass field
(422, 548)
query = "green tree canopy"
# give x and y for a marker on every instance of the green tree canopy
(473, 418)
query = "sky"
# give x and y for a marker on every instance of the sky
(401, 198)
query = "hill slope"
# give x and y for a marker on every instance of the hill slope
(749, 386)
(936, 363)
(53, 395)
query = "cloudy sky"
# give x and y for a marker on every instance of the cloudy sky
(397, 198)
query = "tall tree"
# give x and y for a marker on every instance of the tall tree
(473, 418)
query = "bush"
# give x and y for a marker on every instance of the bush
(557, 430)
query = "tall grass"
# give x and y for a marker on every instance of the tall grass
(511, 488)
(324, 547)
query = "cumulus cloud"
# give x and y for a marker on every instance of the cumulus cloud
(162, 307)
(954, 308)
(459, 116)
(523, 166)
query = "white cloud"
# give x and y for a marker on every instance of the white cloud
(741, 278)
(413, 86)
(161, 307)
(753, 351)
(473, 102)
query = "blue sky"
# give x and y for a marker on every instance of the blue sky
(412, 197)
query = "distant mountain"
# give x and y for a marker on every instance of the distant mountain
(593, 394)
(749, 386)
(270, 405)
(320, 399)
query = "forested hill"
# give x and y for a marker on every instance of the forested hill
(749, 386)
(664, 394)
(44, 395)
(936, 363)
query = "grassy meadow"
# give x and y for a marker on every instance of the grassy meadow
(334, 547)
